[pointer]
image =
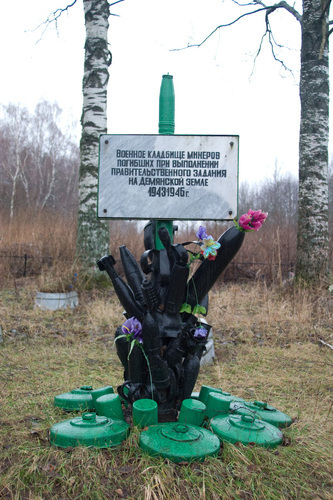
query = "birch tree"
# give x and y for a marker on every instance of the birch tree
(93, 235)
(14, 150)
(313, 259)
(312, 235)
(49, 149)
(38, 162)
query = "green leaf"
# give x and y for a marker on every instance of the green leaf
(120, 337)
(199, 309)
(131, 348)
(186, 308)
(194, 257)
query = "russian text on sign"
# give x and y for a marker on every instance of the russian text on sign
(197, 177)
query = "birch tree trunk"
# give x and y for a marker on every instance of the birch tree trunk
(313, 256)
(14, 150)
(312, 235)
(93, 235)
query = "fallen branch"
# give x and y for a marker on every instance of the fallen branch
(325, 343)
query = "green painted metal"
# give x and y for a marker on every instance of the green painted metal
(205, 390)
(163, 223)
(166, 123)
(179, 442)
(145, 412)
(109, 405)
(262, 411)
(192, 412)
(78, 399)
(246, 429)
(166, 126)
(89, 430)
(218, 403)
(101, 391)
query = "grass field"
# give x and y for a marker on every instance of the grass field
(267, 344)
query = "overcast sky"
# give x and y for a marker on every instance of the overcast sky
(215, 91)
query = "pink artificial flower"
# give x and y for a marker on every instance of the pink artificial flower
(252, 220)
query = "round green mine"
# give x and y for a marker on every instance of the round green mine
(78, 399)
(262, 411)
(179, 442)
(89, 430)
(246, 429)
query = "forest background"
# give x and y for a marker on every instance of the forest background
(39, 163)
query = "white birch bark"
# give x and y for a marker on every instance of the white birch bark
(14, 155)
(15, 177)
(93, 235)
(313, 257)
(49, 145)
(312, 235)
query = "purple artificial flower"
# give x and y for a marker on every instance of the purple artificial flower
(133, 327)
(201, 233)
(200, 333)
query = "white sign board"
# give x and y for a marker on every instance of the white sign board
(180, 177)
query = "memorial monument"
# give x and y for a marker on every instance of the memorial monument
(161, 178)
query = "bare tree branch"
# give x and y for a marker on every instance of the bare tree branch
(282, 5)
(273, 43)
(268, 9)
(219, 27)
(325, 343)
(114, 3)
(53, 18)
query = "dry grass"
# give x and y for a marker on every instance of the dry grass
(49, 240)
(36, 244)
(267, 348)
(43, 233)
(266, 343)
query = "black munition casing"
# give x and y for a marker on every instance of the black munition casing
(133, 273)
(123, 291)
(209, 271)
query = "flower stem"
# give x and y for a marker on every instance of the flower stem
(151, 379)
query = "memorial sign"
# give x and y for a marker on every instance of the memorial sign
(183, 177)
